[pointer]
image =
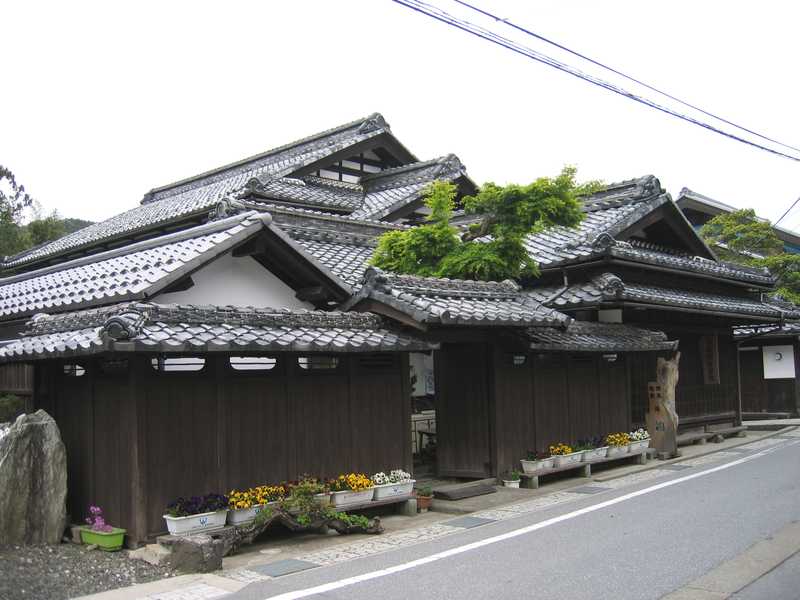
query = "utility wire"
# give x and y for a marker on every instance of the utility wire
(620, 73)
(444, 17)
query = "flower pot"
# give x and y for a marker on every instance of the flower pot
(202, 523)
(110, 541)
(349, 498)
(594, 454)
(511, 484)
(532, 466)
(563, 460)
(637, 446)
(424, 503)
(246, 515)
(617, 451)
(323, 499)
(390, 490)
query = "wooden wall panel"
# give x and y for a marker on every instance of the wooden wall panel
(377, 412)
(321, 434)
(181, 439)
(462, 410)
(614, 398)
(584, 411)
(514, 410)
(257, 430)
(552, 402)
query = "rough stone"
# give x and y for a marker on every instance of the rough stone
(33, 481)
(192, 553)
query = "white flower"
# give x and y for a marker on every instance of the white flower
(639, 435)
(399, 476)
(381, 478)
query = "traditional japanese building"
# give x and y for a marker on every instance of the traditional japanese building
(227, 331)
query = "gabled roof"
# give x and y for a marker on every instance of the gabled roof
(136, 271)
(267, 173)
(393, 189)
(583, 336)
(609, 289)
(181, 329)
(430, 300)
(612, 215)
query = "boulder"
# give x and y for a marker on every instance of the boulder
(33, 481)
(198, 553)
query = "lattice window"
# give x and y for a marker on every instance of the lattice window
(709, 356)
(252, 363)
(318, 362)
(184, 364)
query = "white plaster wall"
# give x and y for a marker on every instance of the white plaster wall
(775, 367)
(236, 281)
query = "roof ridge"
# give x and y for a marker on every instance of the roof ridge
(379, 276)
(374, 120)
(450, 160)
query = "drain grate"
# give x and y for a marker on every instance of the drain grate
(468, 522)
(283, 567)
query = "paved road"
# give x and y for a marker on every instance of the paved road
(614, 544)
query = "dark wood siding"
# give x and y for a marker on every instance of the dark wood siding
(137, 439)
(462, 410)
(768, 395)
(514, 409)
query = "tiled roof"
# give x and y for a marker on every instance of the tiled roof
(200, 194)
(582, 336)
(609, 288)
(157, 328)
(391, 189)
(131, 272)
(770, 330)
(310, 191)
(610, 212)
(456, 302)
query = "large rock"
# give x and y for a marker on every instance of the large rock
(199, 553)
(33, 481)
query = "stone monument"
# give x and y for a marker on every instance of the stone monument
(662, 418)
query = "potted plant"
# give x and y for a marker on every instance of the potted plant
(511, 478)
(396, 483)
(639, 440)
(244, 505)
(536, 461)
(563, 455)
(100, 533)
(196, 514)
(353, 488)
(617, 444)
(424, 498)
(593, 449)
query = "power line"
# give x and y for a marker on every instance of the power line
(620, 73)
(444, 17)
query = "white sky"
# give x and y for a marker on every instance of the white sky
(103, 101)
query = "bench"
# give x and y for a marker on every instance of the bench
(531, 480)
(715, 435)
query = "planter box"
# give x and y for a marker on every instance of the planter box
(562, 460)
(390, 490)
(532, 466)
(617, 451)
(511, 484)
(594, 454)
(350, 498)
(246, 515)
(323, 499)
(109, 542)
(639, 445)
(202, 523)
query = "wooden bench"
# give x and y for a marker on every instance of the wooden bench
(531, 480)
(715, 435)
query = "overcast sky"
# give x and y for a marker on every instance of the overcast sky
(103, 101)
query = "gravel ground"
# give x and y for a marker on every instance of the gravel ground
(68, 571)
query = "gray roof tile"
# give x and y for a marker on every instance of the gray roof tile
(456, 302)
(164, 328)
(582, 336)
(134, 271)
(609, 288)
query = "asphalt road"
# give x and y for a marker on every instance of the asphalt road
(623, 545)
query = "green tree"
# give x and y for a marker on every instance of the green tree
(13, 201)
(493, 247)
(741, 237)
(45, 229)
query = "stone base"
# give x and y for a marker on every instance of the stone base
(192, 553)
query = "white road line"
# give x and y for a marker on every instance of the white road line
(336, 585)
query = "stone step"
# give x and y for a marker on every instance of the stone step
(154, 554)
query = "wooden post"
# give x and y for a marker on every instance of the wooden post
(661, 418)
